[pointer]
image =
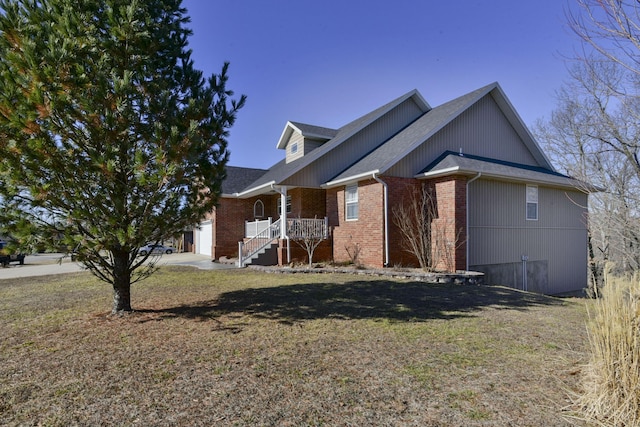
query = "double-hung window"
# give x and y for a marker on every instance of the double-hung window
(288, 204)
(351, 202)
(532, 202)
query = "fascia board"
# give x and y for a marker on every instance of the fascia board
(570, 183)
(289, 128)
(422, 103)
(441, 172)
(350, 179)
(255, 191)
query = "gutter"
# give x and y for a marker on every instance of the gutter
(255, 191)
(386, 217)
(352, 178)
(467, 220)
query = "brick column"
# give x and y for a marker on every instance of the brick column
(451, 221)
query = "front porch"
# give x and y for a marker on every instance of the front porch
(265, 236)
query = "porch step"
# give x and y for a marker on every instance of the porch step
(265, 256)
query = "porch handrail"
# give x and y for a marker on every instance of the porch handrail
(262, 239)
(300, 228)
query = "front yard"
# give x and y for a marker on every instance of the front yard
(245, 348)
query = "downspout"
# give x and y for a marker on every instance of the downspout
(386, 218)
(467, 209)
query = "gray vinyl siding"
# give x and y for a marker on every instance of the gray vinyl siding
(358, 145)
(555, 244)
(482, 130)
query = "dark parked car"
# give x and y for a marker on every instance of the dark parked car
(6, 257)
(156, 249)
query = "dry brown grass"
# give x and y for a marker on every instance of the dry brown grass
(240, 348)
(611, 394)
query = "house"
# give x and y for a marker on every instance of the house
(501, 207)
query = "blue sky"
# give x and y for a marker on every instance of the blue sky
(329, 62)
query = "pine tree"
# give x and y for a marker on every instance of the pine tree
(109, 137)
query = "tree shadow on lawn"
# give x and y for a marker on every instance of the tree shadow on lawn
(399, 301)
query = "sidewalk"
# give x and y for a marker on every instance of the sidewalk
(47, 264)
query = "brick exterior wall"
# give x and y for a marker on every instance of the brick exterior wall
(451, 221)
(228, 225)
(367, 232)
(400, 190)
(307, 203)
(230, 215)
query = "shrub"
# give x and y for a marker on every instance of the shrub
(612, 377)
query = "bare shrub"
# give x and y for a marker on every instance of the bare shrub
(353, 251)
(414, 218)
(612, 378)
(424, 237)
(444, 247)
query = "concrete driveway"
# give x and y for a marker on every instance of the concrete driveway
(47, 264)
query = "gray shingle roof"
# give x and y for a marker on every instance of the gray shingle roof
(389, 153)
(453, 163)
(282, 170)
(315, 131)
(238, 178)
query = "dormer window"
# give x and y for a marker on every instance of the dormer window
(294, 148)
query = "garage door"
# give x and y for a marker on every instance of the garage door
(204, 238)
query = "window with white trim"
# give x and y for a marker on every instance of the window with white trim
(258, 209)
(351, 202)
(294, 148)
(288, 204)
(532, 202)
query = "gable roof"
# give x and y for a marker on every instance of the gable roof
(308, 131)
(381, 156)
(282, 170)
(451, 163)
(402, 144)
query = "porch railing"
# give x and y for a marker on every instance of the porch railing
(260, 240)
(253, 228)
(262, 233)
(301, 228)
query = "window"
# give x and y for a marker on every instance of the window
(294, 148)
(288, 204)
(258, 209)
(351, 202)
(532, 202)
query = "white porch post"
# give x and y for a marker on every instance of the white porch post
(283, 219)
(283, 212)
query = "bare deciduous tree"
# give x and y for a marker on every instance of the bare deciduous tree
(594, 134)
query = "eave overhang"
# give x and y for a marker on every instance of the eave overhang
(350, 179)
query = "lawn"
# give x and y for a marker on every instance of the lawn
(243, 348)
